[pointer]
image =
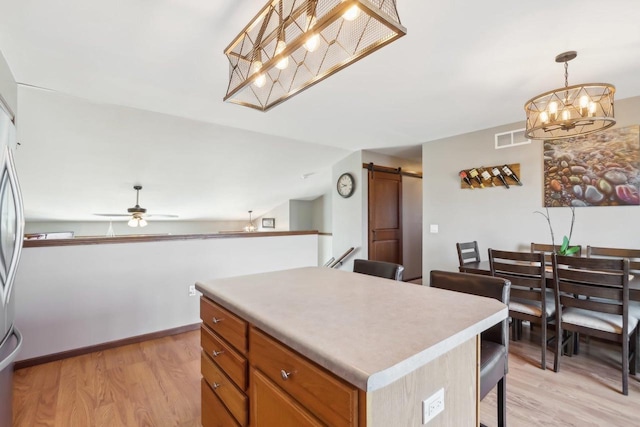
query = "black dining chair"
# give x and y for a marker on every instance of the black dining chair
(494, 342)
(547, 250)
(387, 270)
(634, 267)
(468, 253)
(530, 300)
(592, 298)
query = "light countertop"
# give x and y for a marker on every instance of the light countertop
(366, 330)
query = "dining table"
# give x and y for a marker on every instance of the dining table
(483, 267)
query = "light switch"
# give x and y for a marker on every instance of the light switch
(433, 228)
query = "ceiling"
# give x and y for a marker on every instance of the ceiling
(463, 66)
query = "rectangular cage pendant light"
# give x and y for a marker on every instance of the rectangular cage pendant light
(291, 45)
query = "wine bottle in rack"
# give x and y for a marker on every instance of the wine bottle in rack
(511, 174)
(474, 174)
(487, 176)
(497, 174)
(465, 178)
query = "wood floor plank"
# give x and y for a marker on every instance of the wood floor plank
(157, 384)
(586, 392)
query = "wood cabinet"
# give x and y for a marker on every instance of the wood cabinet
(285, 388)
(323, 347)
(224, 364)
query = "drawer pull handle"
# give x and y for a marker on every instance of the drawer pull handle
(285, 375)
(216, 320)
(215, 385)
(216, 353)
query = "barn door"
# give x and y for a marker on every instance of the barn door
(385, 214)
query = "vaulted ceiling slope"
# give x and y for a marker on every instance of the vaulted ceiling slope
(463, 66)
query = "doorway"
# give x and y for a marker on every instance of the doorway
(385, 214)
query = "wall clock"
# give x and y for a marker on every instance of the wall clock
(346, 185)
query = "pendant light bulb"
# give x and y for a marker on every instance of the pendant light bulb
(313, 39)
(261, 79)
(133, 222)
(284, 62)
(352, 13)
(142, 222)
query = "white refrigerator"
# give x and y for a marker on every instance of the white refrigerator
(11, 237)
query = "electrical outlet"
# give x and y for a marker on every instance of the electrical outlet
(192, 290)
(432, 406)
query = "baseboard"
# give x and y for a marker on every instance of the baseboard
(104, 346)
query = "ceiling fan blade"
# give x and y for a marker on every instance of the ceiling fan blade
(161, 216)
(110, 214)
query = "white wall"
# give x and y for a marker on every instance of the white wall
(8, 87)
(120, 227)
(505, 219)
(281, 215)
(300, 215)
(347, 214)
(321, 216)
(70, 297)
(412, 227)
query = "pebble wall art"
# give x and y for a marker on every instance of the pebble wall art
(599, 169)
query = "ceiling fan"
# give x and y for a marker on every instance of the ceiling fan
(138, 213)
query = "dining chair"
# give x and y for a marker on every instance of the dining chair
(531, 301)
(549, 249)
(468, 252)
(494, 342)
(592, 298)
(387, 270)
(634, 267)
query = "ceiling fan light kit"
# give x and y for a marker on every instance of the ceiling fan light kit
(137, 213)
(572, 110)
(291, 45)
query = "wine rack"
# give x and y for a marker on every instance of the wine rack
(515, 167)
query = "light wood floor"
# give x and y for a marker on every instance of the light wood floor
(156, 383)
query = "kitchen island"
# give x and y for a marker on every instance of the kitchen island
(318, 346)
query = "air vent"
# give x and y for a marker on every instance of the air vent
(511, 139)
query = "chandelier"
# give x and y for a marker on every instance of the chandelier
(571, 110)
(250, 228)
(291, 45)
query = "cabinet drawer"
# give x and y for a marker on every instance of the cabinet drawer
(214, 414)
(234, 400)
(229, 360)
(329, 398)
(226, 324)
(270, 406)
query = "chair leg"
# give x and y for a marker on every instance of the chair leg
(502, 402)
(574, 337)
(520, 329)
(635, 346)
(556, 357)
(543, 344)
(625, 367)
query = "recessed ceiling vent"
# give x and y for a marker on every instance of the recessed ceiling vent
(511, 139)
